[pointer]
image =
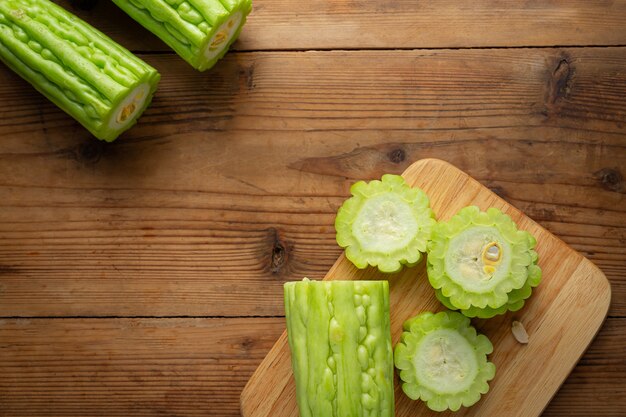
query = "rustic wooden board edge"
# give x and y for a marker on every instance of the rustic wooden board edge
(583, 265)
(583, 261)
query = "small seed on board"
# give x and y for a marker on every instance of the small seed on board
(519, 332)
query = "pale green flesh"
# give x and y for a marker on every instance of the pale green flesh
(464, 264)
(385, 223)
(230, 28)
(445, 362)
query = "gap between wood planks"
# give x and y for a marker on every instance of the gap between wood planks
(168, 317)
(460, 48)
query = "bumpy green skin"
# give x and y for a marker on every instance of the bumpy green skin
(386, 261)
(415, 331)
(510, 294)
(187, 26)
(340, 340)
(74, 65)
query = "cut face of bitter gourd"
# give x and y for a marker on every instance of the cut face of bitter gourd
(81, 70)
(481, 264)
(200, 31)
(385, 224)
(442, 361)
(340, 340)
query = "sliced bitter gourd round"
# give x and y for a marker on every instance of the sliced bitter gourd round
(481, 264)
(443, 361)
(385, 223)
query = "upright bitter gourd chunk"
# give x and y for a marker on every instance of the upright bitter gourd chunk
(81, 70)
(481, 264)
(385, 223)
(200, 31)
(442, 361)
(340, 340)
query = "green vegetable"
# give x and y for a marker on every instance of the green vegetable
(200, 31)
(385, 224)
(340, 340)
(481, 264)
(442, 361)
(89, 76)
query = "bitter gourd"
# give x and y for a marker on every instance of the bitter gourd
(340, 340)
(481, 264)
(442, 361)
(92, 78)
(200, 31)
(385, 223)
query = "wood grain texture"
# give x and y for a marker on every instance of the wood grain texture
(406, 92)
(562, 316)
(129, 367)
(198, 367)
(390, 24)
(229, 185)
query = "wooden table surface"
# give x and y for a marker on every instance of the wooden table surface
(144, 277)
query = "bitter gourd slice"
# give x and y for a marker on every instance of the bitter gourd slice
(200, 31)
(481, 264)
(443, 361)
(340, 340)
(89, 76)
(385, 223)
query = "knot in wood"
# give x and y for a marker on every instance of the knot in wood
(278, 256)
(90, 151)
(397, 155)
(611, 179)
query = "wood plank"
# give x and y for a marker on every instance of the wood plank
(229, 184)
(596, 386)
(389, 24)
(581, 89)
(562, 316)
(124, 367)
(194, 367)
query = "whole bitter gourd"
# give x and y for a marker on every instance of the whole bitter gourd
(200, 31)
(92, 78)
(340, 340)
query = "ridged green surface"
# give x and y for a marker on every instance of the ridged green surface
(340, 340)
(476, 294)
(74, 65)
(443, 361)
(188, 26)
(385, 224)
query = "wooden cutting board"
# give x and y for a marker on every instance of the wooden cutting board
(562, 316)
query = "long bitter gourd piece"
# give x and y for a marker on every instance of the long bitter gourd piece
(81, 70)
(481, 264)
(385, 223)
(200, 31)
(442, 361)
(340, 340)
